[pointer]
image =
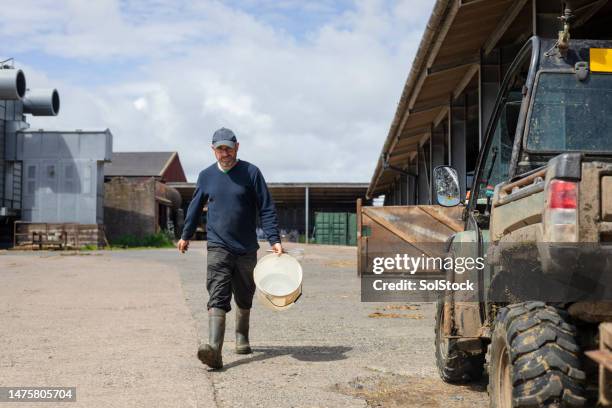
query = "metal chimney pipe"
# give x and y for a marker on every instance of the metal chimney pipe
(41, 102)
(12, 83)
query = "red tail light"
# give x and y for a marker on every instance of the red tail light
(562, 194)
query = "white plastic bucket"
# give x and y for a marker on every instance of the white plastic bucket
(278, 280)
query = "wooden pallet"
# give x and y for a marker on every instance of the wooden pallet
(58, 235)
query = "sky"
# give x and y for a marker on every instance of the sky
(309, 87)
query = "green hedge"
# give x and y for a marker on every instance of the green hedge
(158, 240)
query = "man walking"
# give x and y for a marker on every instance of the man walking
(235, 191)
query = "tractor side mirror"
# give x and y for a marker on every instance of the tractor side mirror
(446, 185)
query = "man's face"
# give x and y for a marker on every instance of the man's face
(226, 156)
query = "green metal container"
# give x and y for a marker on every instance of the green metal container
(335, 228)
(352, 229)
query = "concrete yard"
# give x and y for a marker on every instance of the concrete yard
(123, 327)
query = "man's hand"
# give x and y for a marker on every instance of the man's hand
(183, 245)
(277, 248)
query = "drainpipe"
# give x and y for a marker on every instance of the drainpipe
(306, 198)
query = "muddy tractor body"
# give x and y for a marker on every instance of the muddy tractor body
(540, 213)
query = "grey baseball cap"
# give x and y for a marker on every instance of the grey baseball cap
(224, 137)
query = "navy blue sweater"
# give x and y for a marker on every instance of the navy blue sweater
(233, 201)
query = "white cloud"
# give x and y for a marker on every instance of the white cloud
(141, 104)
(311, 108)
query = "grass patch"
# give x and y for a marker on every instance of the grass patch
(158, 240)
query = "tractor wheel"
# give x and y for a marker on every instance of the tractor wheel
(534, 359)
(454, 365)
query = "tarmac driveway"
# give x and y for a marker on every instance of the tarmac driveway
(123, 327)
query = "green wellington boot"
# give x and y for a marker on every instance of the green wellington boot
(242, 331)
(210, 354)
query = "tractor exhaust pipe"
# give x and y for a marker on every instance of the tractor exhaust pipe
(41, 102)
(12, 84)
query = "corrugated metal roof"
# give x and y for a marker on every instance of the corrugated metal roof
(444, 65)
(447, 62)
(138, 164)
(295, 192)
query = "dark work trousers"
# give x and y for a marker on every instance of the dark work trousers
(228, 273)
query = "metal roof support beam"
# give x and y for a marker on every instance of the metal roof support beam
(414, 132)
(429, 105)
(441, 115)
(424, 139)
(594, 8)
(503, 25)
(306, 210)
(471, 2)
(458, 130)
(405, 150)
(444, 68)
(465, 81)
(449, 133)
(439, 139)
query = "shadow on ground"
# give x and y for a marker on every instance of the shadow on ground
(312, 354)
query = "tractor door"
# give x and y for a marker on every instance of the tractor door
(501, 145)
